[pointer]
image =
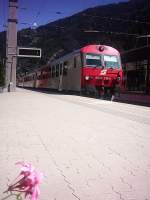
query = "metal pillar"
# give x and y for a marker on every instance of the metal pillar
(11, 47)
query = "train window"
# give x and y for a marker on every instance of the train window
(93, 60)
(75, 62)
(38, 76)
(65, 68)
(57, 70)
(41, 75)
(53, 71)
(46, 75)
(111, 61)
(61, 68)
(82, 59)
(49, 72)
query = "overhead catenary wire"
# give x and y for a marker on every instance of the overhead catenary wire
(39, 12)
(111, 32)
(34, 19)
(117, 19)
(41, 8)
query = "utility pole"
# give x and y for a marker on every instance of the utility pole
(11, 47)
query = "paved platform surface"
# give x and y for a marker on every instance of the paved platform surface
(88, 149)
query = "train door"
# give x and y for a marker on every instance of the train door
(63, 78)
(71, 76)
(75, 73)
(53, 83)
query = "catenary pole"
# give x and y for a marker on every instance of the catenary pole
(11, 46)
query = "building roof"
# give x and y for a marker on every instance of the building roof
(137, 54)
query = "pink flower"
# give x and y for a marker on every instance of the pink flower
(25, 167)
(29, 181)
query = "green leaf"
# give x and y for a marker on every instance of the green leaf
(19, 197)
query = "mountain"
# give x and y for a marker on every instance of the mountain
(115, 24)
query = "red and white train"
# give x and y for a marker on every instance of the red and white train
(91, 69)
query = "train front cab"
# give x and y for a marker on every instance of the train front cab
(101, 72)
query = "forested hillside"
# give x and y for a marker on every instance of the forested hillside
(117, 25)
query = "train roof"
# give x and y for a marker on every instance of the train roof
(98, 48)
(63, 57)
(93, 48)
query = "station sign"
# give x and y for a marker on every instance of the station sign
(26, 52)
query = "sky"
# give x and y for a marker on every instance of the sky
(38, 12)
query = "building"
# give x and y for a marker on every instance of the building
(136, 64)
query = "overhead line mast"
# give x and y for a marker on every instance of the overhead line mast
(11, 47)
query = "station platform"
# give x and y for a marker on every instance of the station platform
(87, 148)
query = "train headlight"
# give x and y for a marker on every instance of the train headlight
(118, 78)
(87, 78)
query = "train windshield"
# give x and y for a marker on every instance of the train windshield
(111, 61)
(93, 60)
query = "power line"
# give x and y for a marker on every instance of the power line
(41, 8)
(117, 19)
(34, 23)
(143, 36)
(111, 32)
